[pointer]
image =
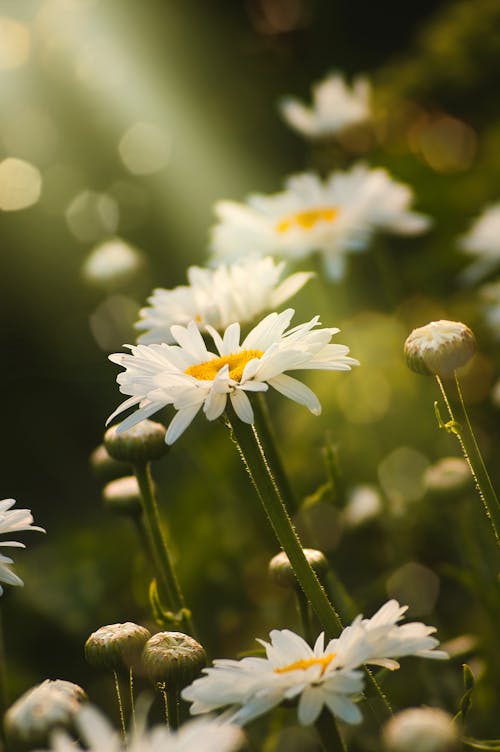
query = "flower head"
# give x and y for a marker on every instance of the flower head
(421, 730)
(335, 216)
(439, 347)
(320, 676)
(483, 242)
(335, 107)
(190, 377)
(217, 297)
(13, 521)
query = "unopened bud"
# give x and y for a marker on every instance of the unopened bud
(439, 348)
(281, 571)
(174, 658)
(122, 496)
(141, 443)
(51, 705)
(116, 645)
(448, 477)
(104, 467)
(421, 730)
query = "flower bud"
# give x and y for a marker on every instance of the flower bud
(421, 730)
(104, 467)
(122, 496)
(174, 658)
(281, 571)
(51, 705)
(439, 348)
(143, 442)
(116, 645)
(448, 476)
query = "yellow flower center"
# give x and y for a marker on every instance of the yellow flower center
(305, 663)
(306, 220)
(236, 361)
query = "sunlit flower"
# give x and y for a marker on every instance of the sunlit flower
(335, 107)
(333, 217)
(98, 735)
(189, 376)
(13, 521)
(490, 298)
(321, 676)
(483, 242)
(439, 347)
(217, 297)
(421, 730)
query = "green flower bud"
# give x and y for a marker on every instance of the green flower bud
(104, 467)
(173, 658)
(122, 496)
(116, 645)
(281, 571)
(449, 476)
(141, 443)
(51, 705)
(439, 348)
(421, 730)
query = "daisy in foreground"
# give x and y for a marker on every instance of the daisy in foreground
(190, 377)
(320, 676)
(335, 107)
(336, 216)
(217, 297)
(13, 521)
(98, 735)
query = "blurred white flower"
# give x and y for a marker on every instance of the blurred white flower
(421, 730)
(490, 297)
(217, 297)
(189, 376)
(483, 242)
(11, 521)
(320, 676)
(98, 735)
(336, 216)
(335, 107)
(364, 504)
(112, 264)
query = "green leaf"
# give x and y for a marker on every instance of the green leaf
(162, 616)
(490, 744)
(466, 700)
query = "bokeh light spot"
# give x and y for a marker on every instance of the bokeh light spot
(415, 585)
(112, 322)
(112, 265)
(20, 184)
(15, 43)
(92, 216)
(364, 397)
(144, 149)
(401, 476)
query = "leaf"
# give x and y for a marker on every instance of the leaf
(334, 472)
(162, 616)
(466, 700)
(490, 744)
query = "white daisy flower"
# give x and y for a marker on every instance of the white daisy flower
(321, 676)
(13, 521)
(99, 736)
(483, 242)
(333, 217)
(217, 297)
(335, 107)
(189, 376)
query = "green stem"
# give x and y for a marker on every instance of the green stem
(264, 429)
(251, 452)
(158, 546)
(132, 699)
(120, 707)
(173, 707)
(305, 616)
(474, 458)
(329, 733)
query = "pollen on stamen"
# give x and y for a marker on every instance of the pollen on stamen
(308, 219)
(208, 370)
(306, 663)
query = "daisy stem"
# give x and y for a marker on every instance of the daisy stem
(305, 616)
(158, 545)
(329, 733)
(251, 452)
(264, 429)
(132, 699)
(120, 707)
(173, 707)
(473, 457)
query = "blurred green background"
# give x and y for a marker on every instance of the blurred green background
(138, 117)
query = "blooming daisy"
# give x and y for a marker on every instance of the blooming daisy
(189, 376)
(217, 297)
(335, 107)
(13, 521)
(333, 216)
(98, 735)
(320, 676)
(483, 242)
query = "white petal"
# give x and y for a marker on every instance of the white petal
(180, 422)
(310, 705)
(214, 404)
(296, 391)
(242, 406)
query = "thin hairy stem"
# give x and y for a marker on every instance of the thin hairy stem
(120, 707)
(132, 699)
